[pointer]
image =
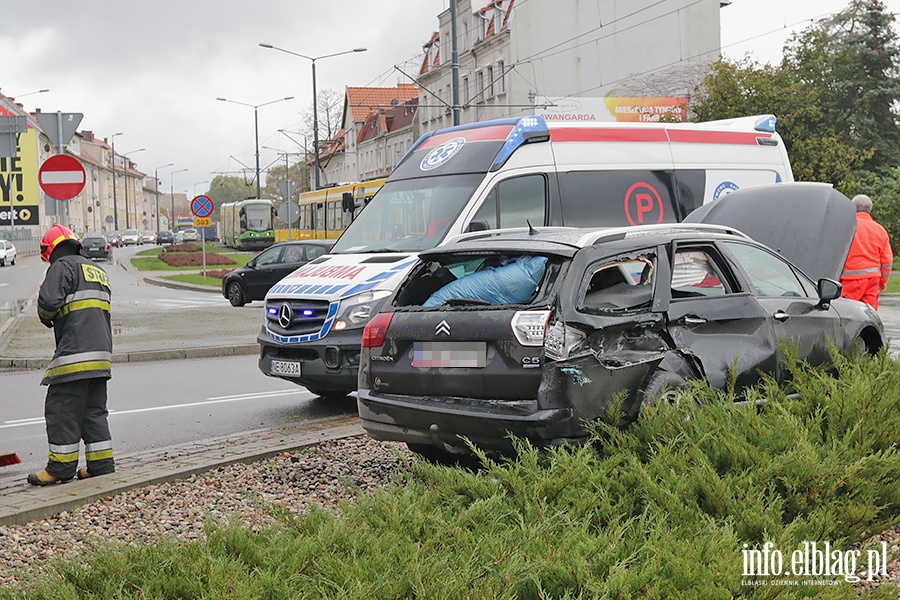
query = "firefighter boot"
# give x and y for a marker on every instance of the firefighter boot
(44, 478)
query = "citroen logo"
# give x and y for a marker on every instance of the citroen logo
(285, 316)
(443, 328)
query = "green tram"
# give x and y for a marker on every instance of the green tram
(248, 224)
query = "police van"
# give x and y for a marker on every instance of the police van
(497, 175)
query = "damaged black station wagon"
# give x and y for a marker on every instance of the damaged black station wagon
(534, 333)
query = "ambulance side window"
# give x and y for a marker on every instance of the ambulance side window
(515, 202)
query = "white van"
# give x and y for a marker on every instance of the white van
(500, 174)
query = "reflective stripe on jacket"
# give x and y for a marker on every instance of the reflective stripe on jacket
(74, 299)
(870, 253)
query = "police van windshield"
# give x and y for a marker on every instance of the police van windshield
(409, 215)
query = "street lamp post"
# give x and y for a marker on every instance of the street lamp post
(172, 225)
(17, 96)
(125, 171)
(115, 203)
(256, 108)
(195, 187)
(313, 60)
(287, 190)
(156, 189)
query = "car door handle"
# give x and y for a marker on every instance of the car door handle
(693, 320)
(781, 316)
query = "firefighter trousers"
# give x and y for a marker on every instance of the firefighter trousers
(75, 411)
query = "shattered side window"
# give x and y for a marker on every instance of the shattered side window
(620, 286)
(694, 274)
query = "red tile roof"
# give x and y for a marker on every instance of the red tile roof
(362, 100)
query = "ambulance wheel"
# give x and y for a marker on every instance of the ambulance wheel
(236, 294)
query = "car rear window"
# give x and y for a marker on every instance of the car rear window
(469, 280)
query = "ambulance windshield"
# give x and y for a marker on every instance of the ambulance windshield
(409, 215)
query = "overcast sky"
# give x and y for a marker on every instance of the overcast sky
(153, 70)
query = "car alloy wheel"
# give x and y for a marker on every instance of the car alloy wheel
(236, 294)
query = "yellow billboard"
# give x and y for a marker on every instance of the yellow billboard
(19, 182)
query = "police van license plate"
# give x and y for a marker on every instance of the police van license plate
(284, 367)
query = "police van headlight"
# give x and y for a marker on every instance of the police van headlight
(356, 311)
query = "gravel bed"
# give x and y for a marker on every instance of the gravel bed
(326, 475)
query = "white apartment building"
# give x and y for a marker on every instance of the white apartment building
(514, 52)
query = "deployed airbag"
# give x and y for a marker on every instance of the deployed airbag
(511, 283)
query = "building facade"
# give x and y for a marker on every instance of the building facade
(509, 54)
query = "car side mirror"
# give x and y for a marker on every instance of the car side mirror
(477, 226)
(252, 264)
(828, 289)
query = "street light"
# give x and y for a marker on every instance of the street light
(172, 225)
(115, 203)
(28, 94)
(156, 189)
(255, 108)
(195, 186)
(313, 60)
(289, 217)
(125, 170)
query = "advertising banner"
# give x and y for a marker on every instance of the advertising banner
(623, 110)
(19, 189)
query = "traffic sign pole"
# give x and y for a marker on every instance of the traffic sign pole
(202, 207)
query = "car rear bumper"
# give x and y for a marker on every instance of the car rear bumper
(326, 365)
(443, 422)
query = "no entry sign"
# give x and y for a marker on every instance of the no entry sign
(61, 177)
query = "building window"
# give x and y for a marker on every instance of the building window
(501, 77)
(490, 82)
(467, 96)
(479, 85)
(465, 36)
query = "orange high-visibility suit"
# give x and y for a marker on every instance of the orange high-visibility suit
(869, 261)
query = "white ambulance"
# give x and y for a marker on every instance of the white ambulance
(500, 174)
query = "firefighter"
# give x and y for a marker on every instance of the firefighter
(74, 300)
(870, 259)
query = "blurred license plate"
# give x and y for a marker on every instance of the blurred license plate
(450, 354)
(284, 367)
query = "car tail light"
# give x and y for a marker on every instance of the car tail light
(529, 326)
(106, 246)
(562, 340)
(376, 329)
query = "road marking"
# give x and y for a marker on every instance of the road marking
(213, 400)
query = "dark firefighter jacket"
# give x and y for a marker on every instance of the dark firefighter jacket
(74, 300)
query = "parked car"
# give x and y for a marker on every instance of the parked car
(165, 237)
(179, 237)
(253, 280)
(148, 237)
(96, 246)
(7, 253)
(114, 237)
(191, 235)
(131, 237)
(536, 332)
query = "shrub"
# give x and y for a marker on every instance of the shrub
(189, 247)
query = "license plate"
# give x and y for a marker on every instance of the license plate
(471, 355)
(284, 367)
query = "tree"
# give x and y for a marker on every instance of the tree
(223, 189)
(297, 172)
(330, 106)
(853, 60)
(816, 149)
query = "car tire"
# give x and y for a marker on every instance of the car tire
(663, 388)
(13, 261)
(435, 455)
(236, 294)
(2, 262)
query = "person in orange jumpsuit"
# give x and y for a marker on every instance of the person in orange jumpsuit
(870, 259)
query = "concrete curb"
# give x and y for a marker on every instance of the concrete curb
(143, 356)
(178, 285)
(20, 502)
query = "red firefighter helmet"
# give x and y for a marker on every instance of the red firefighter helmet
(56, 235)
